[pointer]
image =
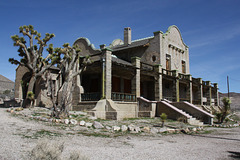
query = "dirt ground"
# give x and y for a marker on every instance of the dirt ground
(19, 136)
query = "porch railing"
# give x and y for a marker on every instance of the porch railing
(183, 76)
(91, 96)
(169, 72)
(123, 97)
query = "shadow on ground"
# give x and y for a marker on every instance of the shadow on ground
(235, 155)
(207, 136)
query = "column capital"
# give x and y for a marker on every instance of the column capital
(158, 68)
(208, 83)
(136, 61)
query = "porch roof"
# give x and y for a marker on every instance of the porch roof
(120, 61)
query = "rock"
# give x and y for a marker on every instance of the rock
(92, 118)
(177, 130)
(44, 119)
(186, 130)
(82, 123)
(97, 125)
(66, 121)
(137, 129)
(116, 128)
(170, 130)
(194, 129)
(162, 130)
(108, 128)
(146, 129)
(131, 127)
(88, 124)
(124, 128)
(73, 121)
(154, 130)
(58, 120)
(235, 125)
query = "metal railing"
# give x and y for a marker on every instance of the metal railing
(123, 97)
(91, 96)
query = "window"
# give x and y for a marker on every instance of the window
(154, 58)
(168, 62)
(183, 67)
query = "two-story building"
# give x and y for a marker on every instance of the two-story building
(138, 78)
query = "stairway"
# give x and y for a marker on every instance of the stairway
(192, 120)
(174, 112)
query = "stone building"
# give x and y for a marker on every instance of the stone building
(137, 78)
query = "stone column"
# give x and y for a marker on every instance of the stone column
(200, 91)
(136, 79)
(158, 83)
(189, 89)
(176, 86)
(209, 93)
(106, 73)
(217, 95)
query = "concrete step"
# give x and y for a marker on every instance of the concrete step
(194, 121)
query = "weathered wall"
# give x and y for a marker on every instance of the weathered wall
(20, 71)
(174, 46)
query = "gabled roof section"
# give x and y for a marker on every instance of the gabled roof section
(86, 46)
(135, 43)
(174, 33)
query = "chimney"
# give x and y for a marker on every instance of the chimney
(127, 36)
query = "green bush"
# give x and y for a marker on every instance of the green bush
(163, 117)
(30, 95)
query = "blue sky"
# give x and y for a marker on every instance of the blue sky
(211, 29)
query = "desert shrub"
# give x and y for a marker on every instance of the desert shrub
(47, 150)
(76, 156)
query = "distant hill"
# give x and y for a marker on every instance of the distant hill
(5, 84)
(234, 97)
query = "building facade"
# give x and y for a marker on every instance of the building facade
(138, 78)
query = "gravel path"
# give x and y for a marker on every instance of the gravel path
(223, 143)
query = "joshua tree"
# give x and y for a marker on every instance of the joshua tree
(224, 111)
(32, 55)
(163, 117)
(226, 108)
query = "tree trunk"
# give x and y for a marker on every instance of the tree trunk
(31, 84)
(65, 100)
(27, 103)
